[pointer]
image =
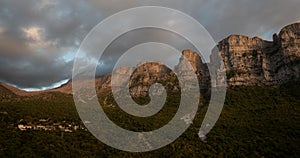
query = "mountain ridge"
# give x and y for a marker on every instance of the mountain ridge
(248, 61)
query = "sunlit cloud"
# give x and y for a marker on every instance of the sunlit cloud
(1, 29)
(36, 38)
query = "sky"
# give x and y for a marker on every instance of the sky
(39, 39)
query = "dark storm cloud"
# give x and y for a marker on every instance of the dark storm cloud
(37, 35)
(248, 17)
(39, 38)
(43, 74)
(223, 17)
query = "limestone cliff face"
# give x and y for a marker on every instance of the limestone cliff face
(147, 74)
(141, 78)
(253, 61)
(288, 67)
(200, 68)
(289, 38)
(243, 59)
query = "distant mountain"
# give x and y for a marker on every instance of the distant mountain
(65, 88)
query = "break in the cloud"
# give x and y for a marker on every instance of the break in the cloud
(39, 39)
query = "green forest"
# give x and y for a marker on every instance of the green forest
(255, 122)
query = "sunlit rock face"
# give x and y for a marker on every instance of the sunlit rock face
(253, 61)
(243, 59)
(146, 74)
(199, 67)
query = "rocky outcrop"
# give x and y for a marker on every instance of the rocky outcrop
(286, 61)
(253, 61)
(200, 68)
(243, 59)
(146, 74)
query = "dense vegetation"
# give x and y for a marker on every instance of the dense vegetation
(255, 122)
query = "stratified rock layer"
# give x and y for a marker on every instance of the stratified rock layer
(253, 61)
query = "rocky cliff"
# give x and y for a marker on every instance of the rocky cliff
(200, 68)
(147, 74)
(253, 61)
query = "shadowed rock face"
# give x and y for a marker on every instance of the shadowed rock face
(253, 61)
(289, 38)
(284, 59)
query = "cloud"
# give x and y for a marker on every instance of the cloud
(36, 39)
(1, 30)
(222, 17)
(39, 39)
